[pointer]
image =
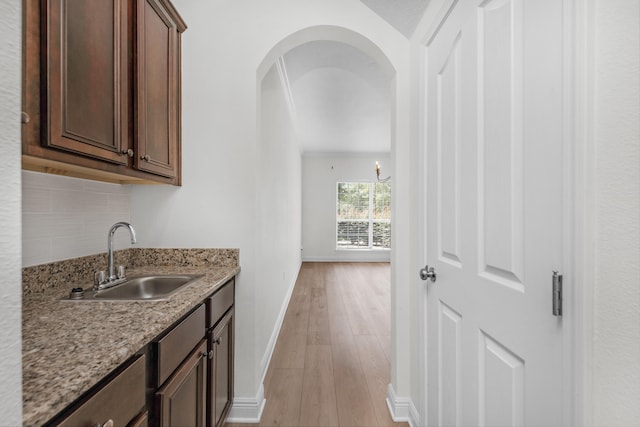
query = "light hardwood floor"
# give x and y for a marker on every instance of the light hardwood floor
(331, 364)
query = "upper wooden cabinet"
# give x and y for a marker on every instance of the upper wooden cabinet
(101, 89)
(86, 86)
(158, 88)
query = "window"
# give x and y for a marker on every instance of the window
(363, 215)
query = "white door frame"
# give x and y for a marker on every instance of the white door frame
(577, 220)
(579, 248)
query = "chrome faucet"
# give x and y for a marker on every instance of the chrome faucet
(111, 278)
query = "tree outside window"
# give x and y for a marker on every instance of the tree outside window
(363, 215)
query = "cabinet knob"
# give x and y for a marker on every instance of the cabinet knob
(146, 157)
(108, 423)
(217, 341)
(24, 117)
(128, 152)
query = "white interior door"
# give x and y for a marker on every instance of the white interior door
(494, 235)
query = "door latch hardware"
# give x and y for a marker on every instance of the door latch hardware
(557, 294)
(428, 273)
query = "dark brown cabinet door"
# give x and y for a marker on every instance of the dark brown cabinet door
(221, 370)
(86, 86)
(158, 88)
(182, 401)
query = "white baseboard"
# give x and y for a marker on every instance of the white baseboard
(247, 410)
(402, 409)
(349, 258)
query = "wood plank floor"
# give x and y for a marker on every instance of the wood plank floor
(331, 364)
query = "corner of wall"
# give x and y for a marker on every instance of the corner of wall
(615, 366)
(402, 409)
(10, 220)
(247, 410)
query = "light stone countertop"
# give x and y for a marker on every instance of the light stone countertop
(69, 346)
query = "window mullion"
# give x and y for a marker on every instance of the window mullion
(370, 215)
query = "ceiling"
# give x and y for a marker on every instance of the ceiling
(341, 99)
(403, 15)
(340, 96)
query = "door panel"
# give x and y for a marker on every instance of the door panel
(447, 108)
(493, 144)
(448, 92)
(450, 340)
(501, 390)
(500, 162)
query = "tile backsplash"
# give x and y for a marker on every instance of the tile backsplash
(65, 217)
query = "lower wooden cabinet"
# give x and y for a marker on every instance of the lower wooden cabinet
(182, 378)
(221, 370)
(182, 400)
(197, 390)
(220, 324)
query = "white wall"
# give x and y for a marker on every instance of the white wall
(10, 247)
(223, 51)
(278, 215)
(66, 217)
(320, 173)
(616, 136)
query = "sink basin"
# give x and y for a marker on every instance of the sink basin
(143, 288)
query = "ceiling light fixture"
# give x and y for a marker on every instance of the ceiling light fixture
(378, 174)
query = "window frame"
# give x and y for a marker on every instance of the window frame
(371, 220)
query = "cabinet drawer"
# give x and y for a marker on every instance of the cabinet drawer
(120, 400)
(174, 347)
(220, 302)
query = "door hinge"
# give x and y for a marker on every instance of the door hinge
(557, 294)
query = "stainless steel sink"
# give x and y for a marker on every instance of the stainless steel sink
(142, 288)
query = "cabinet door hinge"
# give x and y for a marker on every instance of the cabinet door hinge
(557, 294)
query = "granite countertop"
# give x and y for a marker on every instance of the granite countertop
(68, 346)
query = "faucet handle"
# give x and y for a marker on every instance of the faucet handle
(121, 274)
(99, 278)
